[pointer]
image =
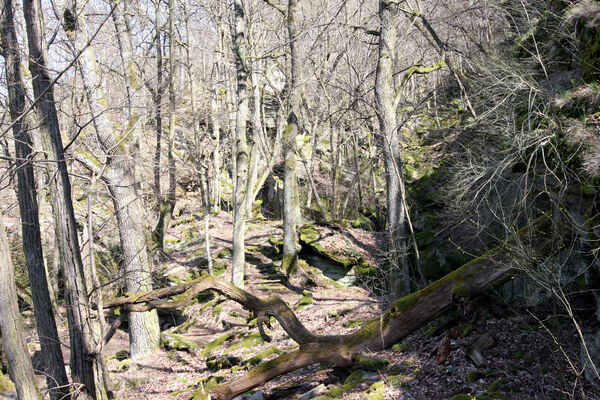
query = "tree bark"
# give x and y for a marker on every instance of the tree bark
(241, 146)
(132, 85)
(257, 133)
(56, 376)
(158, 110)
(13, 336)
(388, 144)
(144, 330)
(167, 202)
(87, 365)
(291, 203)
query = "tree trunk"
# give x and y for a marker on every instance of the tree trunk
(13, 335)
(167, 202)
(257, 133)
(144, 330)
(56, 376)
(132, 77)
(291, 203)
(216, 139)
(241, 146)
(405, 316)
(388, 143)
(158, 112)
(87, 364)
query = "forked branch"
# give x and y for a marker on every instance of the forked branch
(404, 317)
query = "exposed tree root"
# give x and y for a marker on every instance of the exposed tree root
(404, 317)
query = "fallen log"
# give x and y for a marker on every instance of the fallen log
(404, 316)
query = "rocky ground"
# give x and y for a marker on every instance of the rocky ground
(486, 351)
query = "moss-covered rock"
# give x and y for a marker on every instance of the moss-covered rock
(399, 348)
(370, 363)
(247, 341)
(223, 362)
(305, 301)
(173, 341)
(335, 392)
(376, 391)
(353, 380)
(208, 348)
(260, 357)
(347, 256)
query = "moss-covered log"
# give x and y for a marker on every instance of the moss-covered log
(401, 319)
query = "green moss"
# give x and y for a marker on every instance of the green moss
(119, 356)
(204, 384)
(249, 341)
(276, 242)
(304, 302)
(370, 363)
(500, 384)
(399, 380)
(217, 310)
(467, 329)
(6, 384)
(335, 392)
(399, 348)
(353, 380)
(376, 391)
(462, 397)
(173, 341)
(311, 236)
(474, 376)
(224, 253)
(352, 323)
(289, 263)
(183, 328)
(258, 358)
(218, 342)
(219, 268)
(224, 362)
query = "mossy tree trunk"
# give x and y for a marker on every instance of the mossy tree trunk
(406, 315)
(387, 141)
(87, 364)
(157, 97)
(119, 175)
(132, 79)
(257, 135)
(167, 202)
(291, 203)
(13, 335)
(241, 145)
(56, 376)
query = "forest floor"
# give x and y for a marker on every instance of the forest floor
(520, 358)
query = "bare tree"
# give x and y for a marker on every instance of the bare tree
(56, 376)
(13, 335)
(241, 146)
(388, 141)
(87, 361)
(118, 172)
